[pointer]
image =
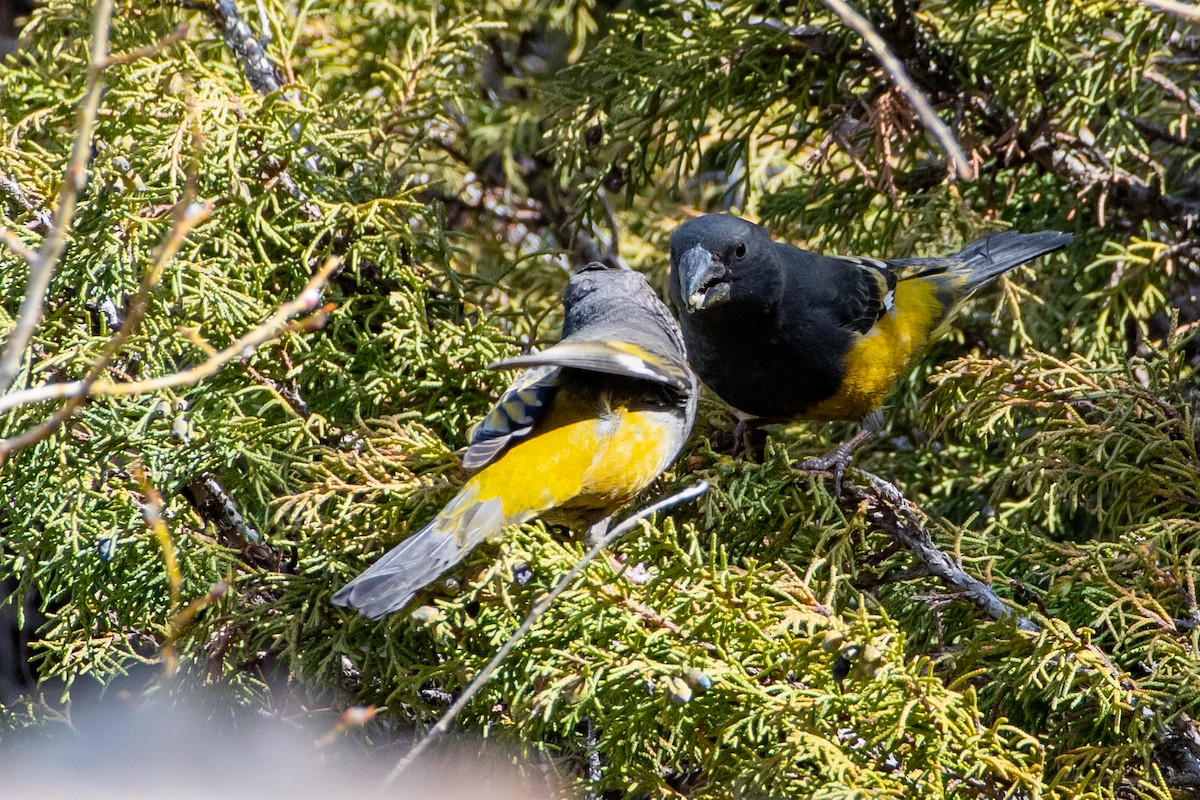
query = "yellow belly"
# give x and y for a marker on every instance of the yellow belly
(586, 458)
(877, 359)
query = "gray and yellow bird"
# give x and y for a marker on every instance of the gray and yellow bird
(590, 423)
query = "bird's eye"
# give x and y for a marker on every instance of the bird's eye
(740, 252)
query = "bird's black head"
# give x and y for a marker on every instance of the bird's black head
(720, 258)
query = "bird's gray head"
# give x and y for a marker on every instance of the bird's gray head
(597, 283)
(615, 299)
(711, 255)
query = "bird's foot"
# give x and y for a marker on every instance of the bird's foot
(740, 432)
(743, 433)
(837, 461)
(638, 575)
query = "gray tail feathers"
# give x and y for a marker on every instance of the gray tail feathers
(988, 258)
(392, 581)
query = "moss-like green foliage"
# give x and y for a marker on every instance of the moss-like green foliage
(457, 158)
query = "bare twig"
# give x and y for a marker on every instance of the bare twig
(214, 503)
(290, 392)
(261, 72)
(898, 518)
(13, 189)
(1172, 88)
(1131, 190)
(1155, 130)
(152, 506)
(817, 40)
(539, 608)
(175, 36)
(185, 216)
(264, 77)
(1184, 10)
(278, 323)
(10, 240)
(933, 124)
(42, 267)
(1019, 141)
(900, 576)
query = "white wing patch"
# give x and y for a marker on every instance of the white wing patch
(637, 366)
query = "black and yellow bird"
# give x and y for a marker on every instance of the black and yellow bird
(781, 333)
(591, 422)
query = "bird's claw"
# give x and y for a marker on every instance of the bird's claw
(837, 461)
(741, 437)
(834, 463)
(637, 575)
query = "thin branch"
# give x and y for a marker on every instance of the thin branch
(1036, 142)
(275, 325)
(154, 48)
(261, 72)
(898, 518)
(214, 504)
(1132, 191)
(1154, 130)
(185, 217)
(900, 576)
(539, 608)
(152, 507)
(264, 76)
(42, 268)
(1171, 88)
(893, 67)
(13, 189)
(10, 240)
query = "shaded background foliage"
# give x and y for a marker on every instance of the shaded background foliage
(459, 158)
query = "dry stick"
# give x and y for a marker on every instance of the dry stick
(42, 267)
(539, 608)
(178, 35)
(278, 323)
(214, 504)
(10, 240)
(264, 76)
(904, 83)
(912, 534)
(152, 507)
(908, 531)
(185, 216)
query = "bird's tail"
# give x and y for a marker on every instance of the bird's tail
(991, 257)
(392, 581)
(953, 278)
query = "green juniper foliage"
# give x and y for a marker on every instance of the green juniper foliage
(458, 158)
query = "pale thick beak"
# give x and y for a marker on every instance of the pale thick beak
(703, 279)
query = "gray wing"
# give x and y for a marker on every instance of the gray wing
(610, 357)
(518, 409)
(513, 416)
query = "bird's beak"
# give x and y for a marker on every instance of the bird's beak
(703, 279)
